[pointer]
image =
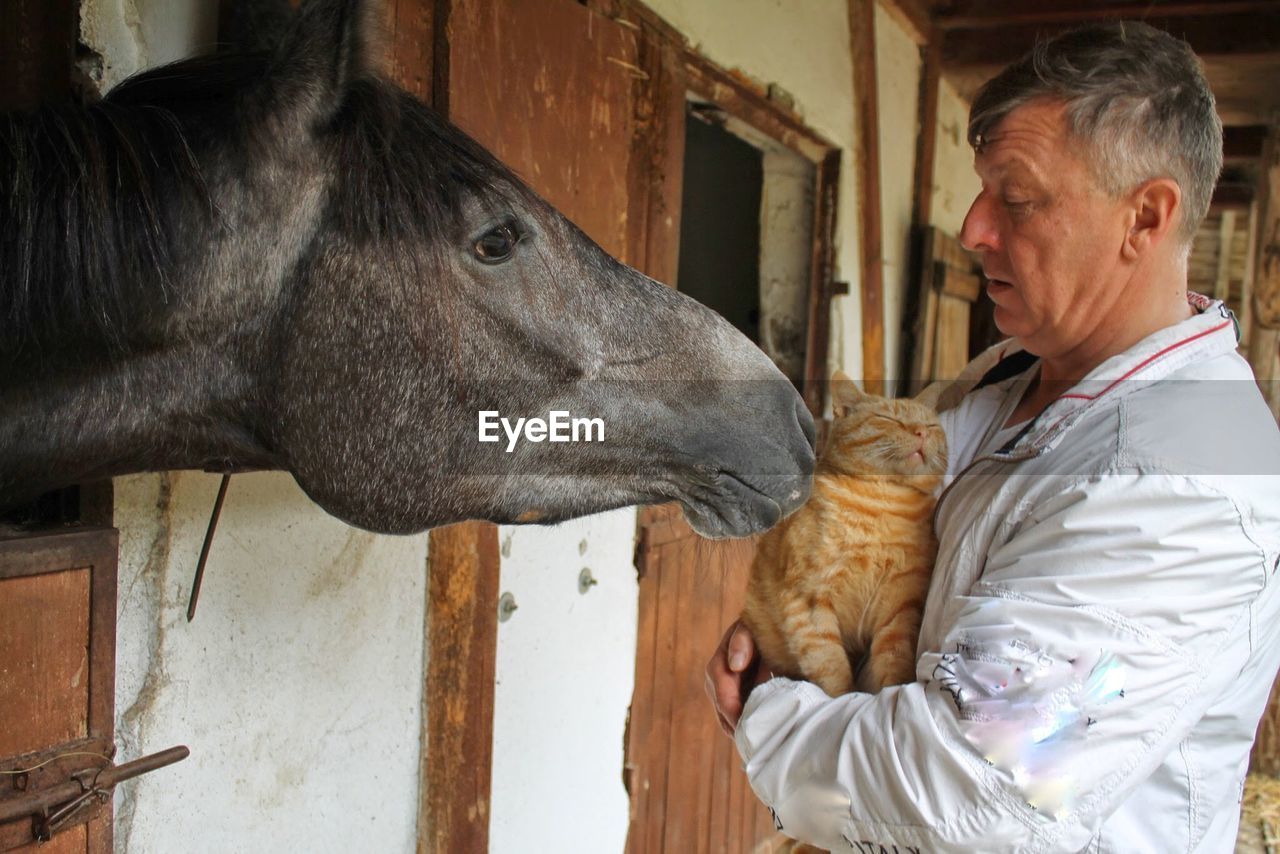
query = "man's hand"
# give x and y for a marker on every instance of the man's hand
(732, 672)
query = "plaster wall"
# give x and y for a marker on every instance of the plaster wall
(898, 69)
(565, 673)
(955, 184)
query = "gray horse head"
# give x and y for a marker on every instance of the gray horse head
(281, 260)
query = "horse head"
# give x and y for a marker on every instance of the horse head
(282, 260)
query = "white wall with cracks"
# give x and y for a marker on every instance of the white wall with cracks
(297, 687)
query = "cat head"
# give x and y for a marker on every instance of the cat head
(894, 437)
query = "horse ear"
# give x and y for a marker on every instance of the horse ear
(845, 393)
(333, 44)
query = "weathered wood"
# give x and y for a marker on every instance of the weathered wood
(1266, 271)
(1226, 235)
(37, 51)
(461, 640)
(57, 687)
(986, 14)
(411, 32)
(1209, 35)
(913, 16)
(867, 154)
(821, 283)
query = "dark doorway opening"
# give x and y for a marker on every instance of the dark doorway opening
(720, 223)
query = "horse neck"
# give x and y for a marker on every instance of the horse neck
(176, 407)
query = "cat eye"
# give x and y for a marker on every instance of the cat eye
(497, 244)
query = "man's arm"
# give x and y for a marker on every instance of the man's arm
(1087, 651)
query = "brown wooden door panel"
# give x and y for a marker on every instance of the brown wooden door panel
(57, 674)
(547, 86)
(688, 791)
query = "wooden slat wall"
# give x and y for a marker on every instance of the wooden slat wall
(689, 793)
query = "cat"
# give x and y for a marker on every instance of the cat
(844, 578)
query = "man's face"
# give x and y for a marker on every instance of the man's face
(1049, 236)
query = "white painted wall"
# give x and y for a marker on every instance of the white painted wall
(955, 184)
(898, 93)
(565, 673)
(297, 687)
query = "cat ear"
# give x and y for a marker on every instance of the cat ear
(930, 394)
(845, 393)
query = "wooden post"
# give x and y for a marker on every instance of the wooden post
(457, 728)
(1264, 334)
(862, 22)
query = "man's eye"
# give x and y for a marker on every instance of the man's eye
(496, 245)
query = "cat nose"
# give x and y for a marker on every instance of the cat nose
(921, 433)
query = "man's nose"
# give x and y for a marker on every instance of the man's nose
(978, 233)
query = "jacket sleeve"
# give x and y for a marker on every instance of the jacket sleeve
(1087, 650)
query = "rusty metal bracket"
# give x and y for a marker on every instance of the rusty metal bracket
(58, 806)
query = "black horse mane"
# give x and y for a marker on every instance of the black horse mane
(98, 200)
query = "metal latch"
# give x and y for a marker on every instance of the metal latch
(59, 806)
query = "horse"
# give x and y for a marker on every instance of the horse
(281, 260)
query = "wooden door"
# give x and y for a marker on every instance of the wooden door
(57, 678)
(688, 790)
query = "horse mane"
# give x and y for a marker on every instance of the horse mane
(97, 200)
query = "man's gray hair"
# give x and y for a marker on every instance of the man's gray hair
(1134, 94)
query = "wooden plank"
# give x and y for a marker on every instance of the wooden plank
(961, 284)
(821, 283)
(951, 350)
(639, 759)
(914, 18)
(1226, 236)
(988, 14)
(461, 639)
(925, 321)
(867, 153)
(37, 51)
(1266, 271)
(1209, 36)
(1246, 285)
(1243, 142)
(411, 33)
(44, 681)
(57, 665)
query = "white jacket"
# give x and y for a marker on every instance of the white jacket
(1100, 635)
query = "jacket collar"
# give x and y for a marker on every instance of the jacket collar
(1212, 331)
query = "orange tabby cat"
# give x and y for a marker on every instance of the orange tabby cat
(845, 576)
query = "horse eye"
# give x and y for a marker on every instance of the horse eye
(496, 245)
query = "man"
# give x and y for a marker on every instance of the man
(1103, 624)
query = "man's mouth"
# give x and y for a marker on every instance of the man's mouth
(995, 285)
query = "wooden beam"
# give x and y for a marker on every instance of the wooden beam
(862, 22)
(912, 17)
(1243, 142)
(1226, 237)
(1209, 35)
(987, 14)
(457, 727)
(1266, 283)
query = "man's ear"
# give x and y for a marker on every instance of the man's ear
(1156, 215)
(845, 394)
(332, 44)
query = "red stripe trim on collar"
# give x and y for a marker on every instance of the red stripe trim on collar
(1148, 361)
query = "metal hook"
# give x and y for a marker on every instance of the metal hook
(204, 550)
